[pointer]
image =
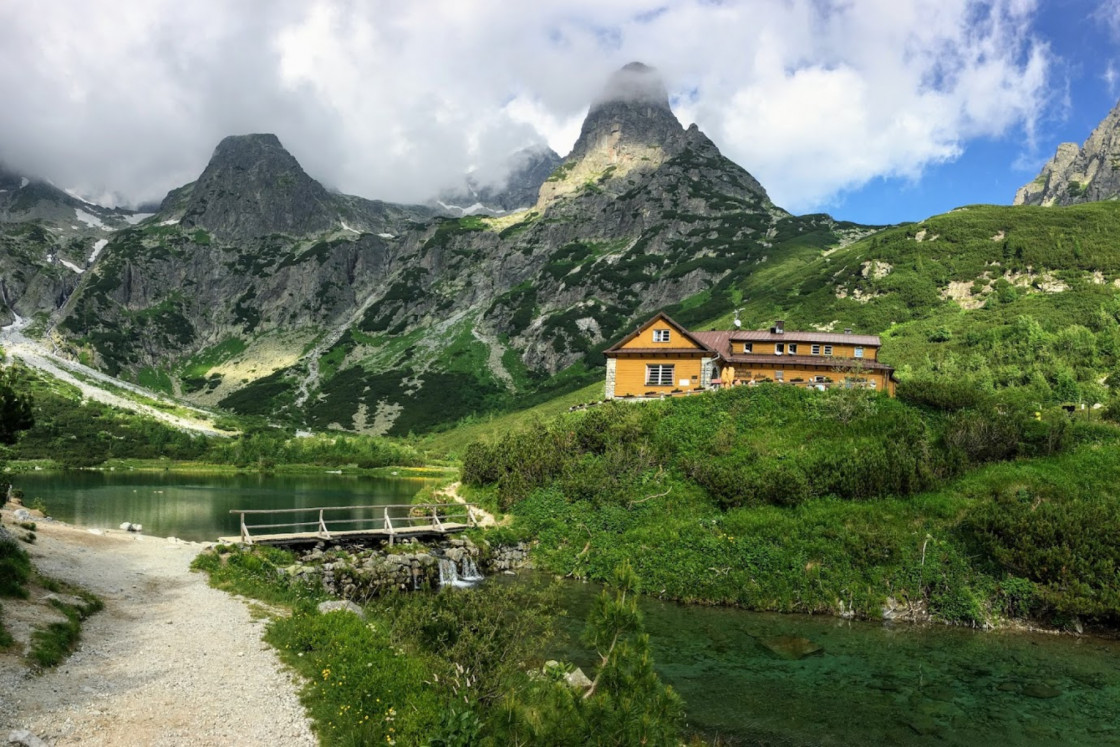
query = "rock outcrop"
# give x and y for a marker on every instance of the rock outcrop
(1089, 173)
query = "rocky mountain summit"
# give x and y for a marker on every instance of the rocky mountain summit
(256, 289)
(253, 187)
(1088, 173)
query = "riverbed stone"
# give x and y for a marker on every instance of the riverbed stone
(791, 647)
(1040, 690)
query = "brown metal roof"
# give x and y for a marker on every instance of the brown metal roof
(827, 338)
(819, 361)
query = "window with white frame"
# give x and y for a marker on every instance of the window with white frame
(816, 350)
(659, 374)
(859, 352)
(828, 350)
(793, 348)
(748, 347)
(661, 335)
(779, 376)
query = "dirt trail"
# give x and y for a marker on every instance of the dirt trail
(169, 660)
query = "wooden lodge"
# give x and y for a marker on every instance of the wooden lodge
(662, 358)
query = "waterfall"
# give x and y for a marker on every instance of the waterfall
(449, 573)
(469, 571)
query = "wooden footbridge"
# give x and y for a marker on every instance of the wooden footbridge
(338, 523)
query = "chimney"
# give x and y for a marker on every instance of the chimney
(779, 327)
(848, 331)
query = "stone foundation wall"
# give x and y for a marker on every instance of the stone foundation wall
(361, 573)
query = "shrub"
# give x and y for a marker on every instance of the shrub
(15, 567)
(1067, 544)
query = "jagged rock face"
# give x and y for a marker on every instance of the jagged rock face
(1087, 174)
(528, 169)
(47, 240)
(252, 187)
(632, 108)
(630, 129)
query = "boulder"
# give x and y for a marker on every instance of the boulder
(25, 738)
(577, 680)
(341, 606)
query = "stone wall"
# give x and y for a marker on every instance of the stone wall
(360, 573)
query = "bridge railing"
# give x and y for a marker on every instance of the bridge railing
(326, 522)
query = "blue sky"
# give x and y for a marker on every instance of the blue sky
(877, 111)
(1081, 92)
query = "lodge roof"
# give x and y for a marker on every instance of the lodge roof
(691, 336)
(818, 361)
(828, 338)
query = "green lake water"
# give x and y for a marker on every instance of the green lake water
(197, 507)
(870, 684)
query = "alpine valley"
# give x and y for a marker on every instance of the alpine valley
(257, 290)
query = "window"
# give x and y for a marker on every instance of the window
(793, 348)
(779, 348)
(779, 376)
(748, 347)
(859, 352)
(659, 374)
(816, 350)
(828, 350)
(661, 335)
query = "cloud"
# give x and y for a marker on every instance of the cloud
(397, 100)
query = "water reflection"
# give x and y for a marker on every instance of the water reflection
(197, 507)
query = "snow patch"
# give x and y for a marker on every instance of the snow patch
(72, 266)
(23, 182)
(97, 247)
(172, 222)
(89, 219)
(347, 228)
(135, 218)
(386, 235)
(478, 207)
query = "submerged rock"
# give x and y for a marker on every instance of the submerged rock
(1040, 690)
(791, 647)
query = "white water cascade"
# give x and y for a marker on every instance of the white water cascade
(463, 575)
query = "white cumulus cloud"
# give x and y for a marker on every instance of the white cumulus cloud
(396, 100)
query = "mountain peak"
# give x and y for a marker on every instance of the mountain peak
(252, 186)
(1088, 173)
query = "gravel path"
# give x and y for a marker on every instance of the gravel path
(169, 661)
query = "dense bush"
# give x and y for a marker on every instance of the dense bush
(1065, 541)
(756, 446)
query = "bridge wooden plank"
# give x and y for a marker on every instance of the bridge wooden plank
(443, 528)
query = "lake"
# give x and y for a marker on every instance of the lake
(197, 506)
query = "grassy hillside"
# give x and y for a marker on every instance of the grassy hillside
(782, 499)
